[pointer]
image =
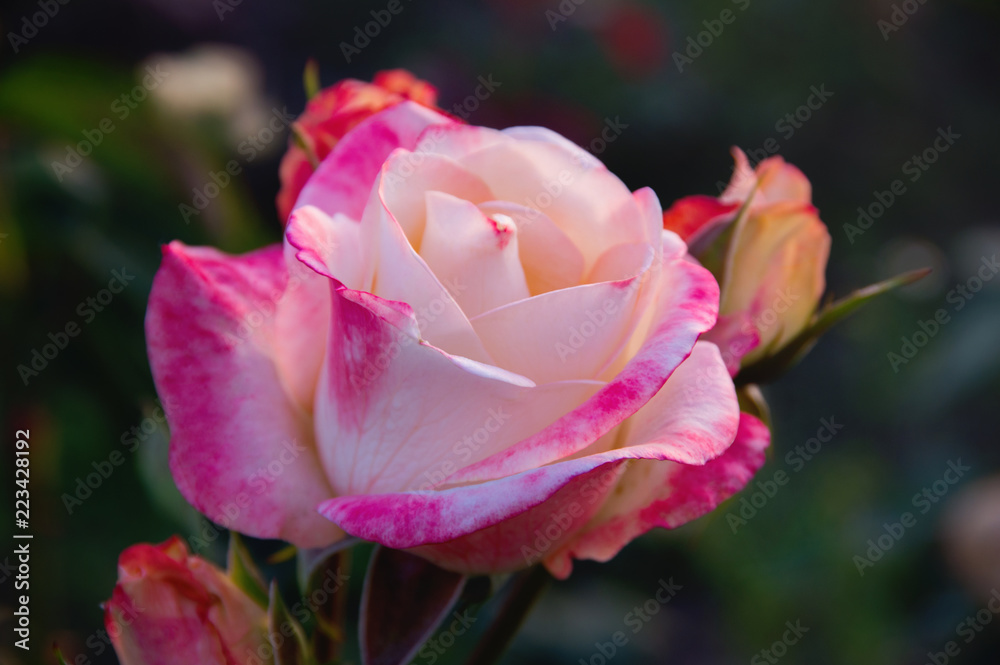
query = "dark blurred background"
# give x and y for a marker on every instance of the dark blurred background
(892, 75)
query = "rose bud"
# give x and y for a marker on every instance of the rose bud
(333, 112)
(173, 608)
(770, 264)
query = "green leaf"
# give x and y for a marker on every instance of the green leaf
(243, 571)
(771, 367)
(286, 634)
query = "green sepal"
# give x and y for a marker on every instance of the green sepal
(289, 649)
(769, 368)
(244, 572)
(310, 78)
(60, 659)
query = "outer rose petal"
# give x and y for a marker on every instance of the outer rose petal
(230, 416)
(736, 336)
(495, 525)
(776, 266)
(687, 307)
(778, 181)
(667, 495)
(692, 215)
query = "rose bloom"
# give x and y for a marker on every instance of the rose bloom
(773, 272)
(173, 608)
(332, 113)
(475, 345)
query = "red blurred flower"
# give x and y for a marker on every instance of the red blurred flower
(333, 112)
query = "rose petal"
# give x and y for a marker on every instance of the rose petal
(231, 420)
(513, 522)
(475, 254)
(666, 494)
(693, 216)
(387, 418)
(551, 261)
(776, 271)
(571, 333)
(686, 308)
(535, 168)
(345, 178)
(408, 176)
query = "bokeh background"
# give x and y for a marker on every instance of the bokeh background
(575, 66)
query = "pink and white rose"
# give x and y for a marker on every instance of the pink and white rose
(475, 345)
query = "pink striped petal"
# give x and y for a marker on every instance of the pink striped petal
(687, 307)
(394, 413)
(665, 494)
(241, 448)
(520, 520)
